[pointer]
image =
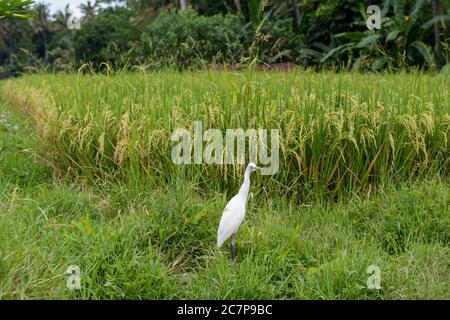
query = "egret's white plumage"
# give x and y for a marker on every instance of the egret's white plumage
(234, 212)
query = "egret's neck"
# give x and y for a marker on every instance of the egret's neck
(243, 191)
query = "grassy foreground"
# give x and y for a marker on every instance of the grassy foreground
(138, 239)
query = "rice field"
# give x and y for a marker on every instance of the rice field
(338, 133)
(88, 180)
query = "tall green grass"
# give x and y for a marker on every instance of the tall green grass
(139, 241)
(340, 133)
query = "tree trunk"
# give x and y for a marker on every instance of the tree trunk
(45, 47)
(297, 15)
(44, 27)
(238, 5)
(437, 10)
(184, 4)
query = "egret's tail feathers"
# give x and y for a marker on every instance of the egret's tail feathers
(220, 239)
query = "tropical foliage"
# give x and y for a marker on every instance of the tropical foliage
(14, 9)
(157, 33)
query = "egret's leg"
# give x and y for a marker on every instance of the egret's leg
(233, 248)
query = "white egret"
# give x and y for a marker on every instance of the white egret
(234, 213)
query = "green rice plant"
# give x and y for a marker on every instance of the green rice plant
(340, 133)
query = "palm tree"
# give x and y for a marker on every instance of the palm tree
(89, 10)
(61, 16)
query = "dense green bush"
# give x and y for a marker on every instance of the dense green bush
(277, 42)
(107, 38)
(185, 38)
(406, 39)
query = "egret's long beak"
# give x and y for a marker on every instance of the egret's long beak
(259, 169)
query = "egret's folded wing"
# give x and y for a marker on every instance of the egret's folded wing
(229, 223)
